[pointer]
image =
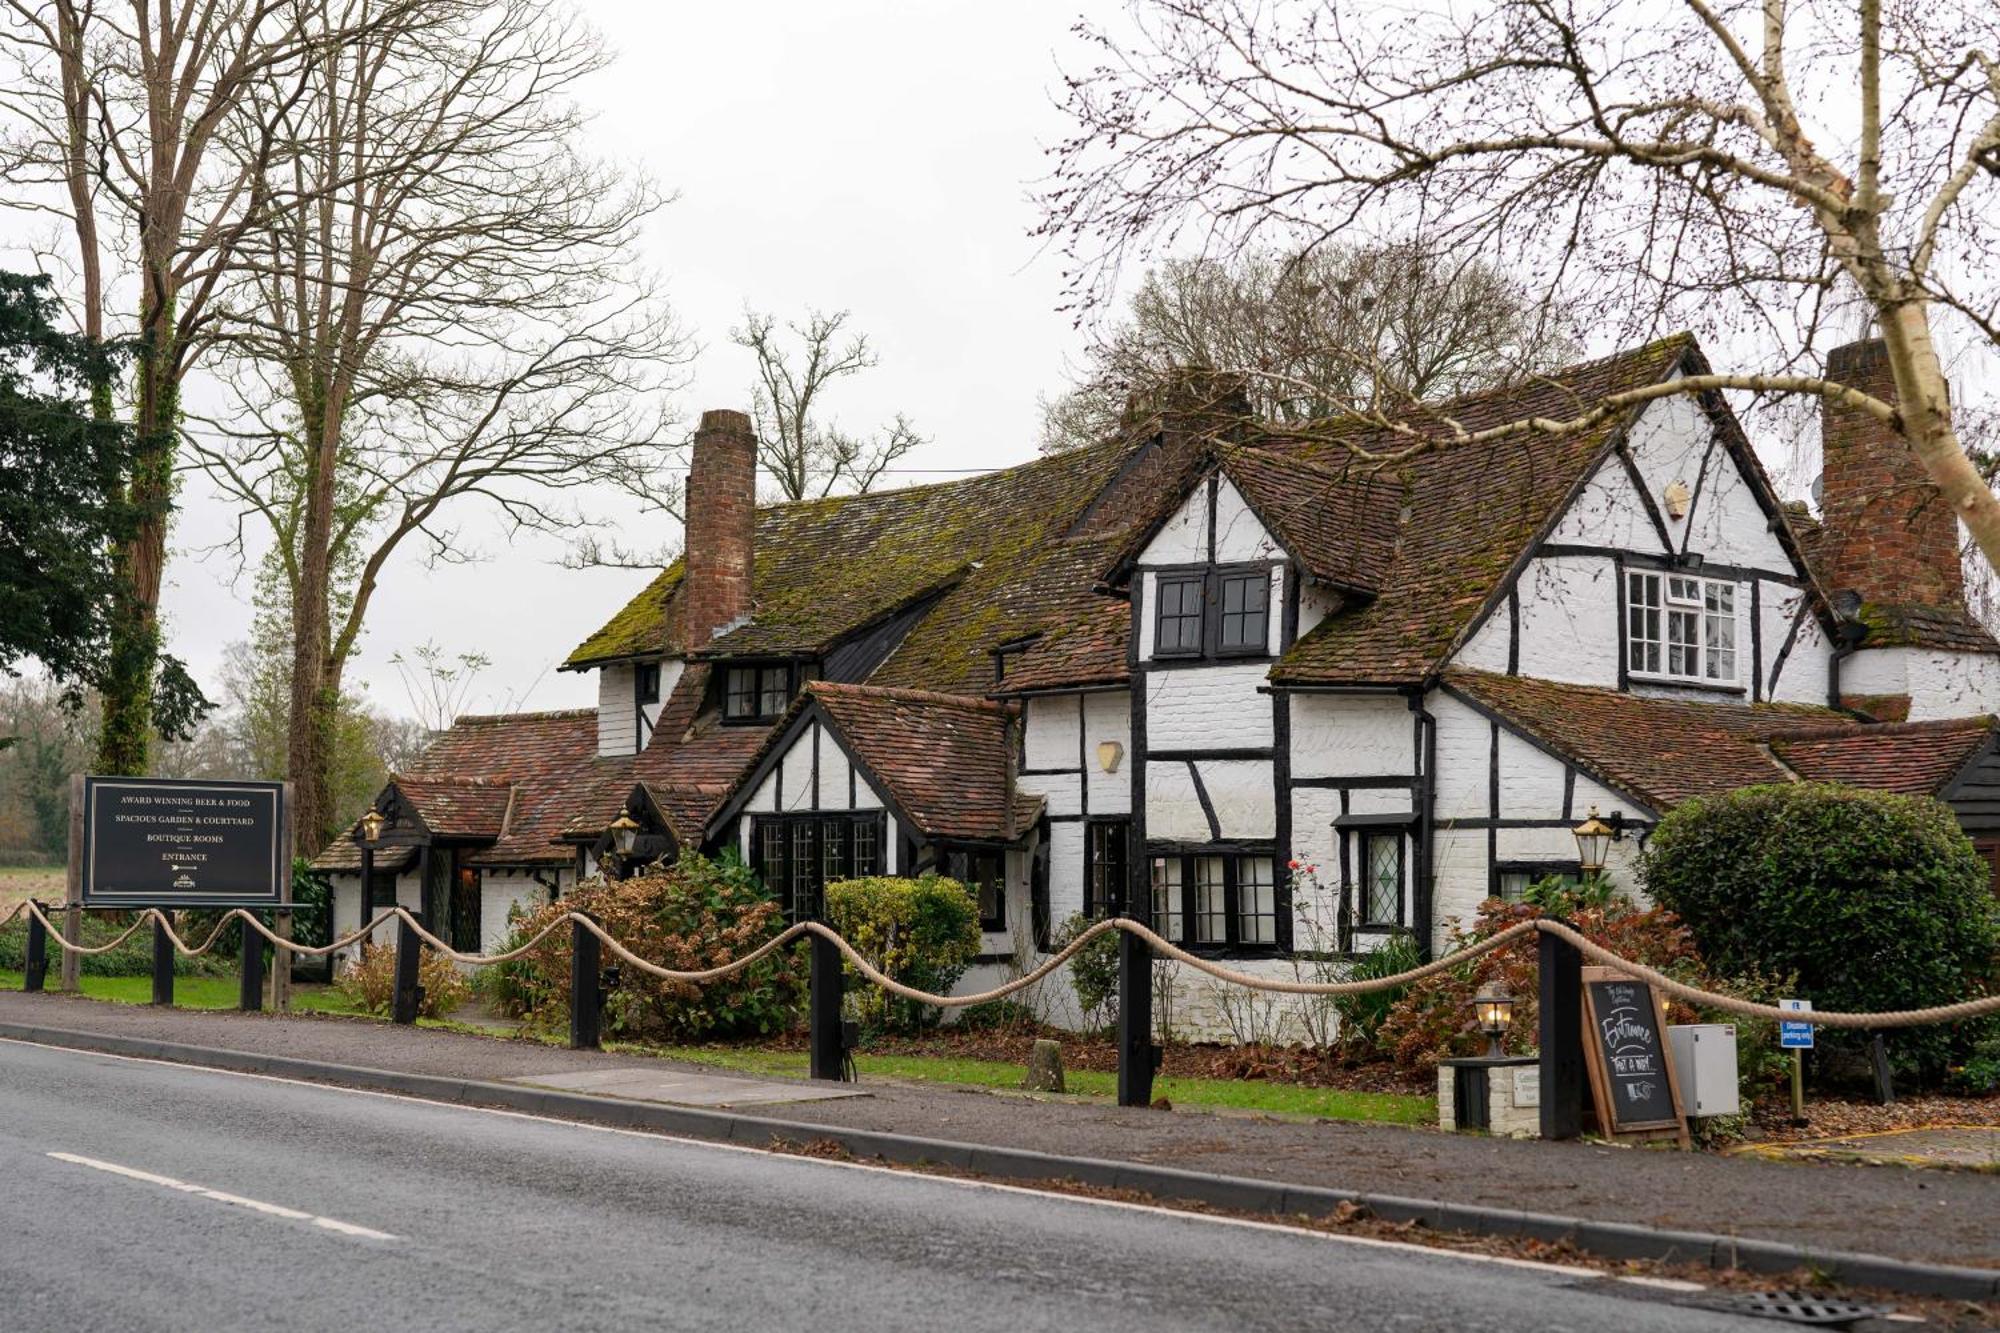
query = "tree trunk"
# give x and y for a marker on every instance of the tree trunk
(1924, 400)
(315, 675)
(124, 744)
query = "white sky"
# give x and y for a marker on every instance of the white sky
(864, 155)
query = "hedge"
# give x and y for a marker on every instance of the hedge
(1871, 901)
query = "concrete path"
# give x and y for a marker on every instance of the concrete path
(146, 1196)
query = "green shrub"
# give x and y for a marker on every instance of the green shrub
(1361, 1015)
(133, 958)
(1093, 973)
(1870, 901)
(922, 932)
(369, 983)
(694, 915)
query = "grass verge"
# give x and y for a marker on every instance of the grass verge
(192, 992)
(1238, 1094)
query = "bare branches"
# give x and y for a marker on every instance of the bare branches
(804, 455)
(1741, 168)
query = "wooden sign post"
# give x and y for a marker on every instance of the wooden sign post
(72, 923)
(1632, 1080)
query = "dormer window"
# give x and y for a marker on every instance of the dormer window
(756, 693)
(646, 682)
(1679, 627)
(1213, 613)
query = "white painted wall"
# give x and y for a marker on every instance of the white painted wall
(616, 720)
(1242, 792)
(1208, 708)
(790, 780)
(1802, 676)
(1939, 684)
(1240, 536)
(1183, 538)
(1173, 810)
(1051, 738)
(1352, 735)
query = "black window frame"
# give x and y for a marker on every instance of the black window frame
(646, 683)
(960, 861)
(1107, 892)
(1258, 578)
(1212, 582)
(803, 834)
(1536, 869)
(1233, 941)
(1199, 582)
(1366, 866)
(760, 692)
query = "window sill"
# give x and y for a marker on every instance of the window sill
(1685, 683)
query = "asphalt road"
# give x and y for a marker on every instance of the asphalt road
(150, 1196)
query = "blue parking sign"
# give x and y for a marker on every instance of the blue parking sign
(1795, 1035)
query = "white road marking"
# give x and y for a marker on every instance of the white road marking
(1366, 1242)
(234, 1200)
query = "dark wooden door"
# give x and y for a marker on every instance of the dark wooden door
(465, 904)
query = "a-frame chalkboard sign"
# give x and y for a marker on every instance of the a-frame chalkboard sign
(1632, 1081)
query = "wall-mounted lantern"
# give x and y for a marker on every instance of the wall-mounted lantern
(1593, 844)
(1109, 755)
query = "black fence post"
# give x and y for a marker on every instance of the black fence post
(409, 995)
(163, 963)
(250, 993)
(38, 954)
(825, 1038)
(586, 988)
(1561, 1012)
(1137, 1056)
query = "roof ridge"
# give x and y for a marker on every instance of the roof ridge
(904, 694)
(547, 715)
(1937, 725)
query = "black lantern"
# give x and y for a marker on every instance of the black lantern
(1493, 1009)
(624, 833)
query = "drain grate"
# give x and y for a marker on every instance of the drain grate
(1796, 1307)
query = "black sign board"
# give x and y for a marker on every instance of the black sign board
(1625, 1045)
(161, 842)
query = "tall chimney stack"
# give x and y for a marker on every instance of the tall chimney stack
(1888, 533)
(721, 528)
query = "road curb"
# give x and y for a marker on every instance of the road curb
(1611, 1240)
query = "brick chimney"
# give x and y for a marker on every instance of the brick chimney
(1888, 533)
(721, 527)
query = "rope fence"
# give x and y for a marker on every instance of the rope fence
(1901, 1018)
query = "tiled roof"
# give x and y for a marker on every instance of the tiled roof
(1948, 629)
(1338, 520)
(1466, 514)
(1915, 758)
(1012, 553)
(1088, 650)
(943, 757)
(529, 759)
(1661, 751)
(459, 807)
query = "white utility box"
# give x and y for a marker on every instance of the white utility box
(1705, 1064)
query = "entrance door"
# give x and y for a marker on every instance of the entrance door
(465, 904)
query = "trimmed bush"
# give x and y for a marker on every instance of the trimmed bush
(693, 915)
(1871, 901)
(922, 932)
(370, 982)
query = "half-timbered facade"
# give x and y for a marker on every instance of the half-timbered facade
(1278, 701)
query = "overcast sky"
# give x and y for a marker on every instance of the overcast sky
(867, 156)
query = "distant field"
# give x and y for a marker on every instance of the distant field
(17, 883)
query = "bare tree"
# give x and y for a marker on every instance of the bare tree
(1428, 327)
(438, 684)
(439, 307)
(805, 455)
(1762, 172)
(118, 109)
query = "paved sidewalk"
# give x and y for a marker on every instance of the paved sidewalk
(1948, 1217)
